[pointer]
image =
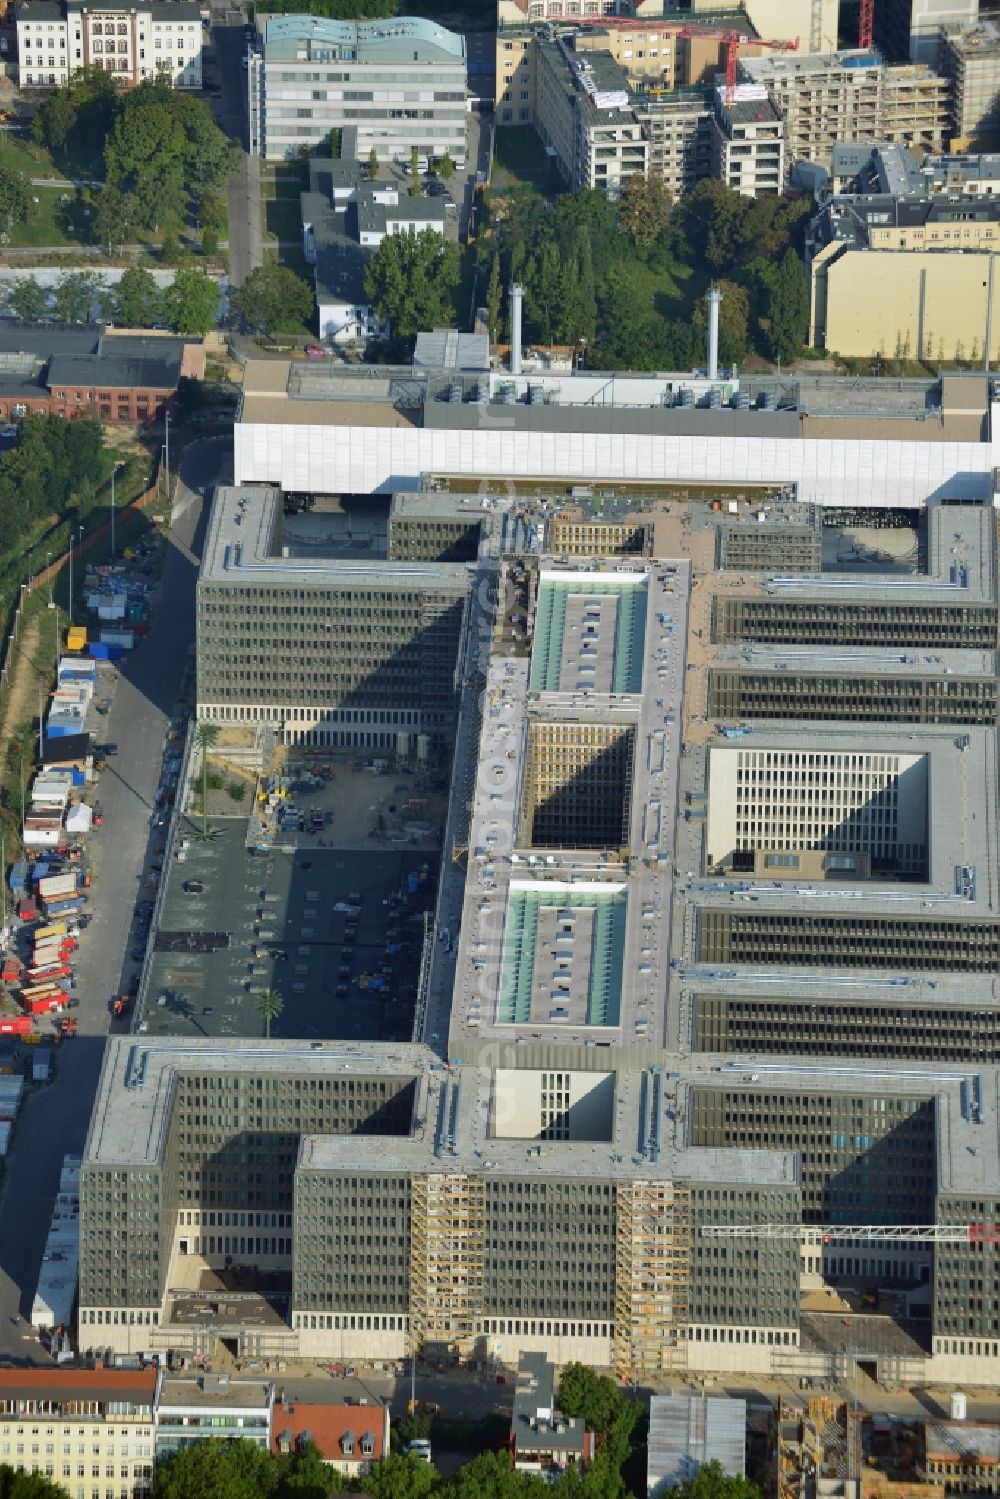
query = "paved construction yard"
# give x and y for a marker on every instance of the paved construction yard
(336, 932)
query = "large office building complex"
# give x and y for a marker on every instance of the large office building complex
(705, 1013)
(388, 85)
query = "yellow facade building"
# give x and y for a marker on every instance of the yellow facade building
(919, 304)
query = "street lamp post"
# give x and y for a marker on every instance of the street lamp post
(71, 533)
(166, 449)
(48, 564)
(114, 471)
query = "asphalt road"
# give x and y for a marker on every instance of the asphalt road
(54, 1119)
(246, 248)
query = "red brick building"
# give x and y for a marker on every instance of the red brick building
(111, 377)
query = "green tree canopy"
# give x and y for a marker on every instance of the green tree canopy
(54, 119)
(274, 299)
(216, 1469)
(191, 304)
(399, 1477)
(712, 1482)
(16, 1485)
(114, 217)
(15, 197)
(136, 302)
(411, 281)
(165, 149)
(76, 297)
(26, 299)
(643, 208)
(490, 1476)
(604, 1408)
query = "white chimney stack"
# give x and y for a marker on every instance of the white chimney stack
(516, 307)
(714, 299)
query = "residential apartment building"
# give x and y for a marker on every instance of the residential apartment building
(969, 56)
(748, 141)
(852, 96)
(152, 40)
(91, 1431)
(391, 86)
(349, 1438)
(585, 114)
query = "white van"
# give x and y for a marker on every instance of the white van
(419, 1448)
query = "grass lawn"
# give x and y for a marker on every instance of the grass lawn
(669, 293)
(52, 222)
(22, 153)
(520, 159)
(283, 219)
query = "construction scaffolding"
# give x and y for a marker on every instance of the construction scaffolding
(447, 1262)
(652, 1277)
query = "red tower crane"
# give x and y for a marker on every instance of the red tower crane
(866, 23)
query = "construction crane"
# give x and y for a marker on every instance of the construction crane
(866, 23)
(732, 41)
(829, 1233)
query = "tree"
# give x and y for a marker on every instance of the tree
(217, 1469)
(643, 208)
(136, 301)
(712, 1482)
(269, 1006)
(113, 217)
(490, 1476)
(399, 1477)
(26, 299)
(75, 297)
(604, 1408)
(212, 217)
(446, 168)
(54, 119)
(274, 299)
(411, 281)
(207, 734)
(494, 299)
(15, 197)
(788, 309)
(17, 1485)
(191, 303)
(372, 164)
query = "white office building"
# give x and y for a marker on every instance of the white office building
(132, 41)
(391, 85)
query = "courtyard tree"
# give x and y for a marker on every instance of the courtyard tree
(269, 1006)
(274, 299)
(207, 734)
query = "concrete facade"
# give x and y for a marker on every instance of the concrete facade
(389, 85)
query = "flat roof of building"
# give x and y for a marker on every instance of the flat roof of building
(490, 994)
(456, 1109)
(214, 1390)
(240, 551)
(409, 39)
